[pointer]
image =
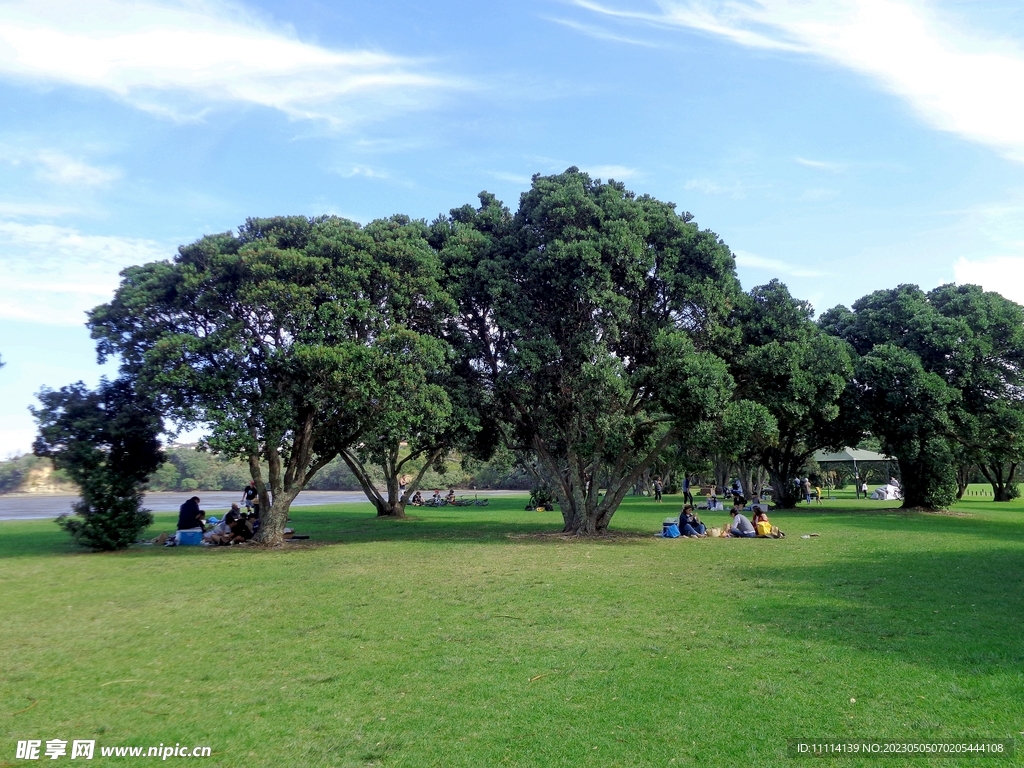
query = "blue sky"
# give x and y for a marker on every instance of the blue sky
(843, 145)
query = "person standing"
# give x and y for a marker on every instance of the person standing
(807, 489)
(250, 496)
(658, 488)
(687, 495)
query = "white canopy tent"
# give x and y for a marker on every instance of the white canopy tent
(852, 456)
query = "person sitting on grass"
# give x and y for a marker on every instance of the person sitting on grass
(221, 532)
(435, 500)
(450, 498)
(741, 527)
(240, 530)
(190, 515)
(690, 524)
(760, 516)
(417, 499)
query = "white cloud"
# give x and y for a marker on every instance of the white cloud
(366, 171)
(736, 190)
(957, 81)
(820, 165)
(57, 168)
(751, 261)
(60, 168)
(35, 210)
(54, 274)
(1001, 274)
(599, 33)
(181, 58)
(617, 172)
(514, 178)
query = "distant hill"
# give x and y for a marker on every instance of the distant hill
(31, 474)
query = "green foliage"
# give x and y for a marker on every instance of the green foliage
(106, 440)
(787, 366)
(293, 340)
(591, 315)
(188, 468)
(971, 342)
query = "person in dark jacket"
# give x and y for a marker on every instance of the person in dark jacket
(189, 515)
(690, 525)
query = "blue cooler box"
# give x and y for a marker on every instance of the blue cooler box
(190, 538)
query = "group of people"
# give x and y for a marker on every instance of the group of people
(435, 501)
(235, 527)
(741, 527)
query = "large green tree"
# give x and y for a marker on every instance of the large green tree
(986, 366)
(785, 363)
(107, 441)
(592, 315)
(284, 340)
(959, 400)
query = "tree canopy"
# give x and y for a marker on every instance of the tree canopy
(592, 315)
(107, 441)
(941, 376)
(288, 340)
(784, 362)
(595, 333)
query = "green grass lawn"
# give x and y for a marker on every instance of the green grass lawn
(463, 638)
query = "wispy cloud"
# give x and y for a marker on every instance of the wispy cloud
(820, 165)
(600, 33)
(617, 172)
(514, 178)
(182, 58)
(777, 266)
(366, 171)
(736, 190)
(957, 81)
(24, 210)
(54, 274)
(59, 168)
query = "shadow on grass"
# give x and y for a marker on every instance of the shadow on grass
(324, 525)
(506, 522)
(953, 611)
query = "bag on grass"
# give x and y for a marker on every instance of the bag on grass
(670, 531)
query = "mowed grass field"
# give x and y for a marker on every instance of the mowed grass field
(468, 637)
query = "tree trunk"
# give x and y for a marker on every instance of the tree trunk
(584, 513)
(963, 479)
(1001, 477)
(394, 502)
(274, 520)
(721, 471)
(745, 472)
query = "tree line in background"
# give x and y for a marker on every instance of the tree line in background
(596, 334)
